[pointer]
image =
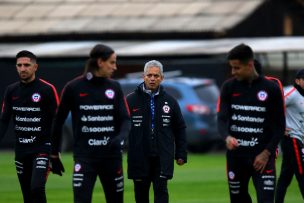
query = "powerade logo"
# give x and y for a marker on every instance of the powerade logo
(16, 108)
(96, 107)
(248, 108)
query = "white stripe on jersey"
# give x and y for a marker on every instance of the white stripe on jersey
(294, 102)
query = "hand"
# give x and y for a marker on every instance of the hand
(287, 131)
(231, 142)
(180, 162)
(261, 161)
(56, 165)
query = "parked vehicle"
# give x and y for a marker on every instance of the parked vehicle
(197, 98)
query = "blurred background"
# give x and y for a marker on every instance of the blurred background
(190, 37)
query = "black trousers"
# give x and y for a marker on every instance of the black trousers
(142, 186)
(32, 171)
(239, 172)
(110, 173)
(292, 163)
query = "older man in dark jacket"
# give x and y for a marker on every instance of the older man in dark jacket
(157, 136)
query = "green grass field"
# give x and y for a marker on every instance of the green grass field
(202, 180)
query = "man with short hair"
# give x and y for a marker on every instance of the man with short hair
(292, 143)
(157, 136)
(32, 102)
(251, 120)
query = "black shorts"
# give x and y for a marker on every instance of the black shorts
(239, 172)
(110, 173)
(32, 171)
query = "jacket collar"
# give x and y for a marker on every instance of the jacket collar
(94, 79)
(22, 84)
(141, 88)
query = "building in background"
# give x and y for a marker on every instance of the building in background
(45, 20)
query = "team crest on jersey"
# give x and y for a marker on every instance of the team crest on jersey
(262, 95)
(166, 108)
(89, 76)
(36, 97)
(231, 175)
(77, 167)
(110, 93)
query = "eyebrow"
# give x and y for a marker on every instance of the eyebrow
(24, 64)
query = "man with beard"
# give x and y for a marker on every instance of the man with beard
(32, 102)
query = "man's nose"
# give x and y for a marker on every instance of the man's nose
(22, 68)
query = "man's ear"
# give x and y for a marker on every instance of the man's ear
(251, 64)
(99, 62)
(36, 66)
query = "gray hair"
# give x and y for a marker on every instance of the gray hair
(154, 63)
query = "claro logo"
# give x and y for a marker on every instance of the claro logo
(248, 143)
(27, 140)
(95, 142)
